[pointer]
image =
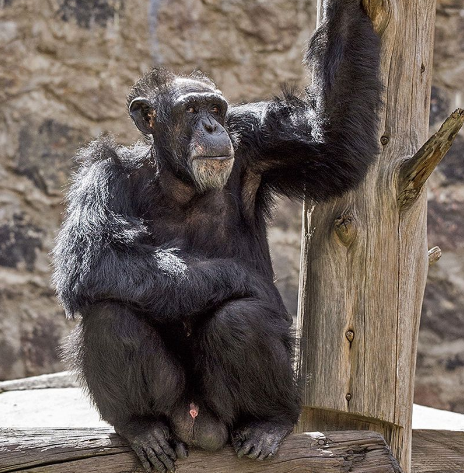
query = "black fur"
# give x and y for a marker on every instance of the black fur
(175, 286)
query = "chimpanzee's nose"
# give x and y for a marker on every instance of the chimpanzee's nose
(209, 126)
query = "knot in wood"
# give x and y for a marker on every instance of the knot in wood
(345, 228)
(348, 397)
(349, 334)
(384, 140)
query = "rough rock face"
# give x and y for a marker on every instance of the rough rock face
(66, 68)
(440, 362)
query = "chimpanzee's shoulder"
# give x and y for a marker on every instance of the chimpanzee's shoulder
(106, 151)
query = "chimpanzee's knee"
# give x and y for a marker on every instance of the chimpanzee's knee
(248, 369)
(125, 363)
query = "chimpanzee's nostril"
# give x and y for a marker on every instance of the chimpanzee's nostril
(209, 126)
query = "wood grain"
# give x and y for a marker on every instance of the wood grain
(435, 451)
(101, 450)
(369, 279)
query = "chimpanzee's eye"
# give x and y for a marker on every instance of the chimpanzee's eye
(191, 109)
(215, 109)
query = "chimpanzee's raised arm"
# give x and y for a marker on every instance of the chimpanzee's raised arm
(324, 141)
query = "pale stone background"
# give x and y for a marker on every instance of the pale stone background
(65, 67)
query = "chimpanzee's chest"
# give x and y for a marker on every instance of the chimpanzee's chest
(211, 225)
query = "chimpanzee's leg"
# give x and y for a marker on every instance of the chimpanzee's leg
(245, 364)
(132, 379)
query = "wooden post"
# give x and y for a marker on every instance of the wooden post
(365, 258)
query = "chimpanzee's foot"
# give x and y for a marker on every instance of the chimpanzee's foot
(150, 441)
(259, 440)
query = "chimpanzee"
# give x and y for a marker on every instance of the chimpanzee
(184, 339)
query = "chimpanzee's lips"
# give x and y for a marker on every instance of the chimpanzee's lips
(216, 158)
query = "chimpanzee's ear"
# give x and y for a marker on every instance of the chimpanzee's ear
(143, 114)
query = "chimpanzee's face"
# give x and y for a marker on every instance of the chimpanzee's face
(187, 124)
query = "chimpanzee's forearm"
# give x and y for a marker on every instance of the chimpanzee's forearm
(162, 282)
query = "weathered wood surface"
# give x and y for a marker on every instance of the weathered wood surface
(64, 379)
(435, 451)
(364, 256)
(100, 450)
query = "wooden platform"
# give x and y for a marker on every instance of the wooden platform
(86, 444)
(100, 450)
(48, 450)
(437, 451)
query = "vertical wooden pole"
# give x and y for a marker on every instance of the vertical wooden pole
(364, 258)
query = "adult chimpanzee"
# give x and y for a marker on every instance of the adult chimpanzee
(184, 339)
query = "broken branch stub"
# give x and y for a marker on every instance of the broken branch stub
(434, 255)
(416, 170)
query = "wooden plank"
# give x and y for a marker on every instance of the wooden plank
(101, 450)
(437, 451)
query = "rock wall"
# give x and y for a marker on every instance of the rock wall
(440, 362)
(66, 67)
